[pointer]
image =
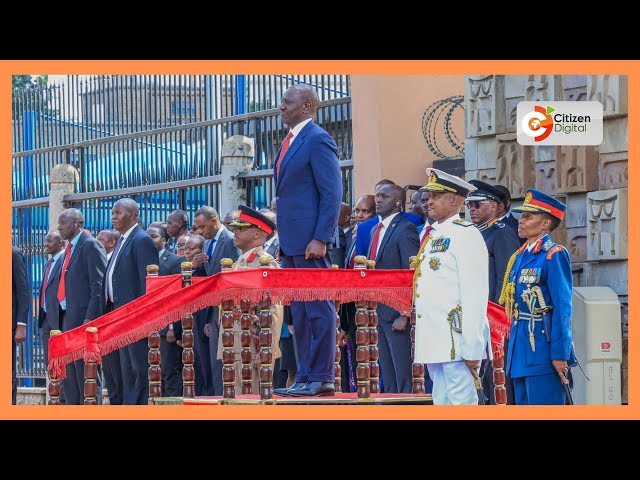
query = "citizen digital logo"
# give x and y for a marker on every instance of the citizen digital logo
(559, 123)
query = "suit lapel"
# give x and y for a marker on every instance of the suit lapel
(293, 148)
(217, 248)
(124, 246)
(56, 268)
(164, 256)
(76, 249)
(387, 234)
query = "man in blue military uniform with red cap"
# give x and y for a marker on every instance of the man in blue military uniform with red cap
(537, 294)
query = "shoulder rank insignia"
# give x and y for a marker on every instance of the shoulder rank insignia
(462, 222)
(530, 275)
(434, 263)
(440, 244)
(547, 245)
(550, 253)
(500, 225)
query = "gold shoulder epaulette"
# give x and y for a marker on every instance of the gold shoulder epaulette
(462, 222)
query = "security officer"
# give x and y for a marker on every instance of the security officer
(501, 243)
(250, 230)
(537, 297)
(450, 285)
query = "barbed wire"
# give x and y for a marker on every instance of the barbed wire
(430, 125)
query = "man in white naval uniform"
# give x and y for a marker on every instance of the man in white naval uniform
(451, 290)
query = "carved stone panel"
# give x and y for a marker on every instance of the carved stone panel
(470, 154)
(484, 102)
(546, 177)
(487, 153)
(575, 87)
(559, 235)
(577, 243)
(607, 224)
(611, 91)
(614, 136)
(584, 274)
(511, 110)
(624, 307)
(545, 153)
(576, 214)
(614, 170)
(543, 88)
(577, 168)
(614, 275)
(515, 166)
(487, 176)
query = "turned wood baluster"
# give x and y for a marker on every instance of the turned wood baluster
(153, 357)
(246, 321)
(54, 382)
(374, 354)
(90, 366)
(499, 380)
(337, 370)
(228, 338)
(188, 355)
(417, 369)
(362, 338)
(266, 338)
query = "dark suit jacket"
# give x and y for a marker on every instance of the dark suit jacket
(364, 236)
(308, 171)
(273, 248)
(223, 248)
(170, 265)
(337, 253)
(51, 297)
(400, 242)
(20, 295)
(130, 271)
(83, 281)
(511, 222)
(501, 244)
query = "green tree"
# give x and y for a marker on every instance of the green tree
(31, 90)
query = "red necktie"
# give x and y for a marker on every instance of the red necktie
(44, 281)
(374, 243)
(67, 257)
(426, 233)
(283, 152)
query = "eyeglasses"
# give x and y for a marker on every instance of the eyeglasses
(180, 245)
(475, 204)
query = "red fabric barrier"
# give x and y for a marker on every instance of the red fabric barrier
(167, 302)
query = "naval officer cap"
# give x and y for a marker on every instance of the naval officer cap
(484, 192)
(441, 182)
(248, 217)
(536, 201)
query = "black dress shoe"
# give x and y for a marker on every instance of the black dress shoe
(285, 392)
(315, 389)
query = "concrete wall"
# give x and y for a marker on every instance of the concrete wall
(387, 126)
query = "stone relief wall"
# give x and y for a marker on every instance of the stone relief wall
(592, 180)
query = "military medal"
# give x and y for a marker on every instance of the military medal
(530, 275)
(434, 263)
(440, 245)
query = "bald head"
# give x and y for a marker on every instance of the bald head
(365, 208)
(108, 239)
(70, 223)
(308, 94)
(345, 216)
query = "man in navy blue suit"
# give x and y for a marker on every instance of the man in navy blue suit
(79, 291)
(308, 190)
(125, 280)
(393, 241)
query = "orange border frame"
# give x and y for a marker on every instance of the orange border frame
(354, 67)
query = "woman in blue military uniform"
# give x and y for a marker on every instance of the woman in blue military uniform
(536, 292)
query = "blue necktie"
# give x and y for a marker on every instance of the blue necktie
(210, 250)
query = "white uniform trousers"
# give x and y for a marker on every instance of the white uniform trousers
(452, 384)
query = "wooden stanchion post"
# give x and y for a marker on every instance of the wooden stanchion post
(337, 370)
(54, 382)
(188, 356)
(90, 366)
(228, 339)
(154, 357)
(362, 338)
(374, 368)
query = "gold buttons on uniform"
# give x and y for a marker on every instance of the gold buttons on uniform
(419, 315)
